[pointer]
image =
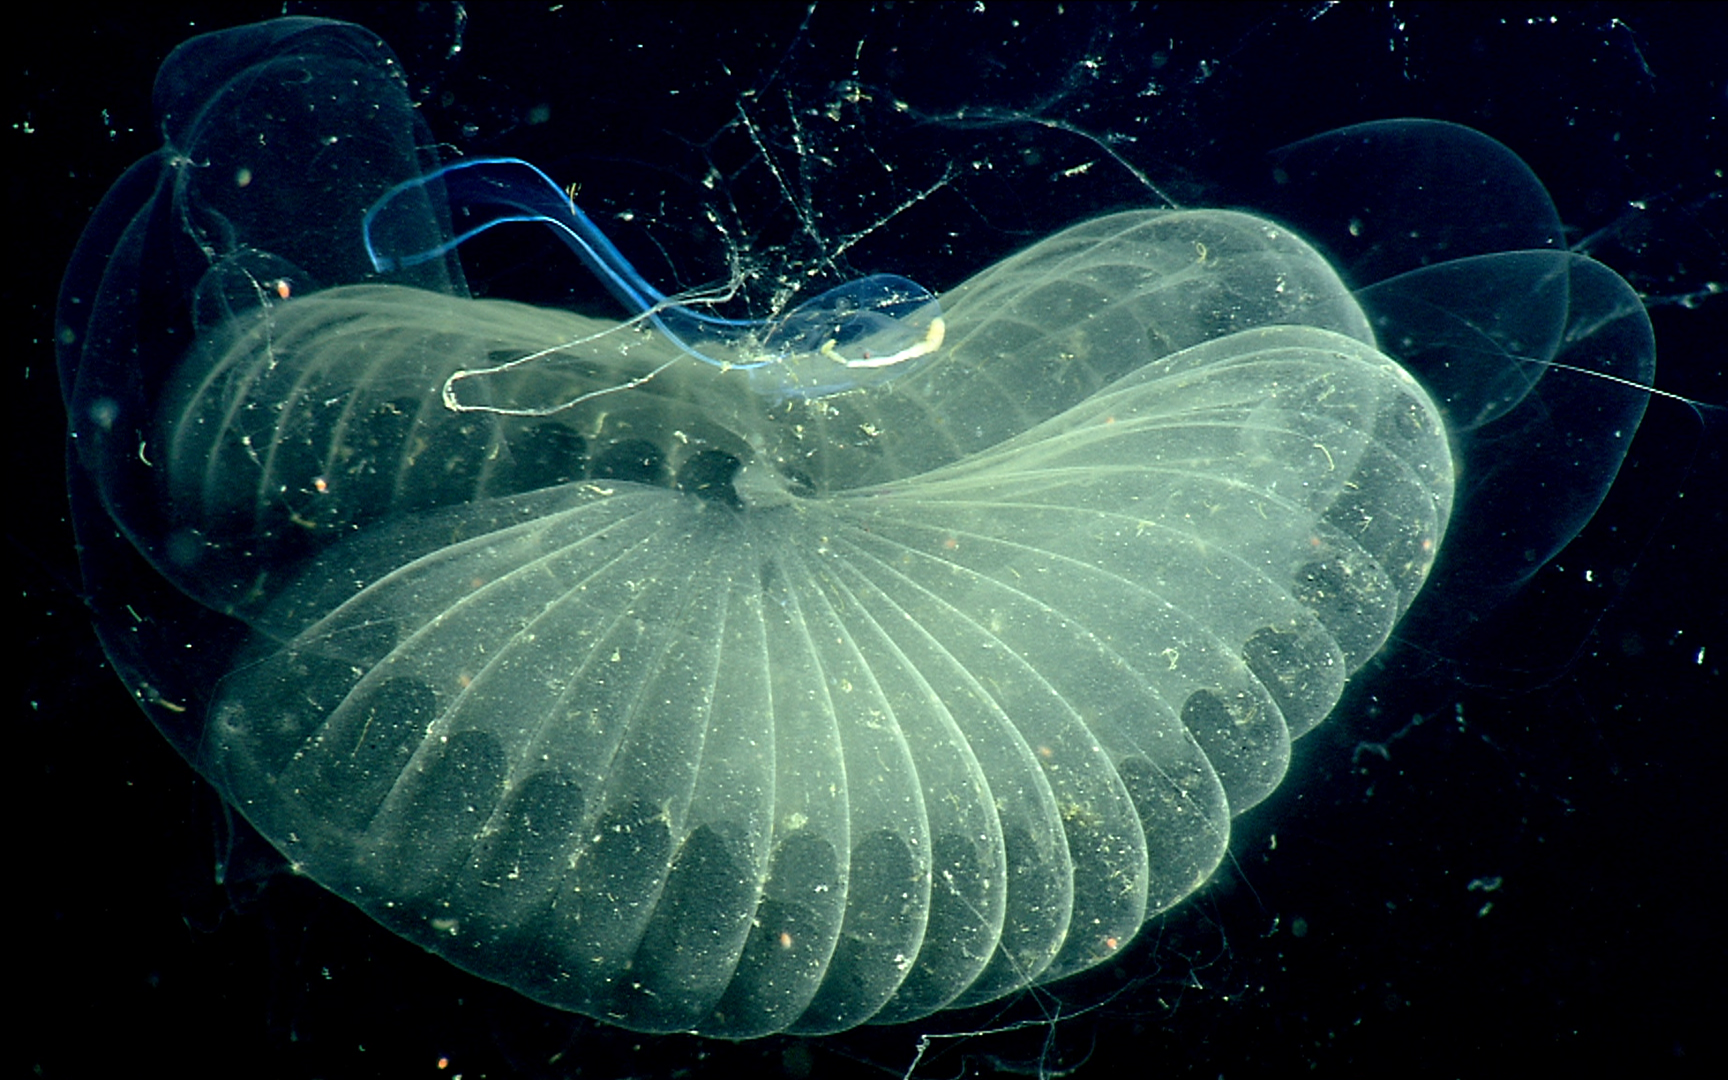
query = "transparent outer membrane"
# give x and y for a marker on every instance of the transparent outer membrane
(668, 696)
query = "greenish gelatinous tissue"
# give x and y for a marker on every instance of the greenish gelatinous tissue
(611, 677)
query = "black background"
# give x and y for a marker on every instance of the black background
(1531, 871)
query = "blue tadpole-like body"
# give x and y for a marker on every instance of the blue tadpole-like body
(859, 333)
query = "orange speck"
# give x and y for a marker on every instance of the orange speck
(1046, 753)
(320, 485)
(283, 288)
(785, 940)
(1111, 943)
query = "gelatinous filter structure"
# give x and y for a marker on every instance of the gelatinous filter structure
(815, 649)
